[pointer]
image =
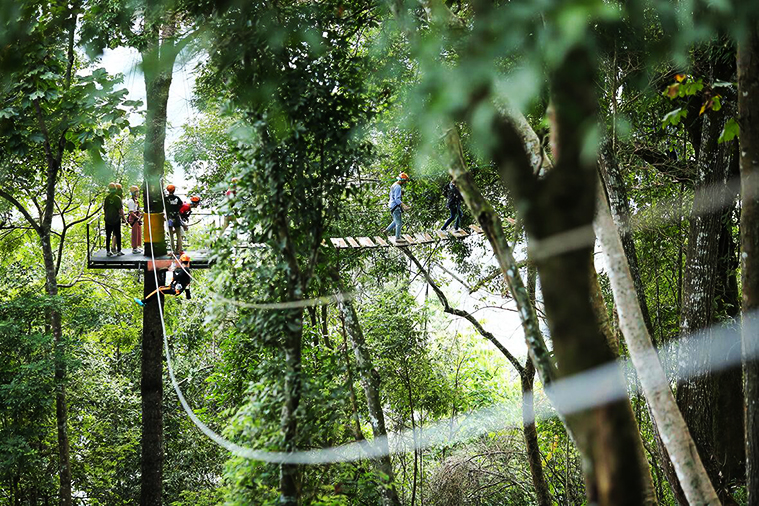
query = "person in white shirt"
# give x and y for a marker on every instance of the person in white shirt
(396, 206)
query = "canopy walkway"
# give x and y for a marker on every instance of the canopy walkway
(427, 237)
(201, 258)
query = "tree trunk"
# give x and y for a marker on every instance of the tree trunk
(289, 474)
(688, 466)
(710, 401)
(151, 390)
(620, 212)
(561, 206)
(158, 63)
(59, 359)
(748, 112)
(370, 380)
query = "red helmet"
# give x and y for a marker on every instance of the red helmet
(170, 188)
(403, 177)
(184, 258)
(195, 199)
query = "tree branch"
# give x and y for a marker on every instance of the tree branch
(18, 205)
(463, 314)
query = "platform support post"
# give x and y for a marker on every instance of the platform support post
(151, 388)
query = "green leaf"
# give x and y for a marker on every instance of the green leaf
(673, 117)
(730, 132)
(36, 95)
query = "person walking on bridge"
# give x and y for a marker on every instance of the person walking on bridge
(454, 205)
(397, 207)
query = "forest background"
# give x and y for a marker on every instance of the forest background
(314, 107)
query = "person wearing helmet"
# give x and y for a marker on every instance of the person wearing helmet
(173, 204)
(113, 216)
(397, 207)
(184, 218)
(180, 282)
(134, 219)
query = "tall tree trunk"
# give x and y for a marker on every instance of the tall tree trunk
(562, 205)
(59, 359)
(688, 466)
(158, 63)
(289, 474)
(748, 113)
(620, 211)
(701, 395)
(370, 380)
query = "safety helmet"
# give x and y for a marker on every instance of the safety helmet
(170, 188)
(119, 187)
(403, 176)
(235, 180)
(184, 258)
(134, 188)
(195, 199)
(111, 186)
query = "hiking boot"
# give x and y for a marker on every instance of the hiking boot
(119, 253)
(136, 251)
(401, 241)
(108, 253)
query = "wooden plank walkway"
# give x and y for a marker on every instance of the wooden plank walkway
(427, 237)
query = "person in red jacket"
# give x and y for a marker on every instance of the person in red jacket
(184, 218)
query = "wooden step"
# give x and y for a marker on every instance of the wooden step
(354, 243)
(338, 242)
(381, 242)
(366, 242)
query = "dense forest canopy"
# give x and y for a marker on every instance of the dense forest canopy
(404, 252)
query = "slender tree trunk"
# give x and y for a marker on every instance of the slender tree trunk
(688, 466)
(59, 359)
(370, 380)
(748, 112)
(620, 212)
(356, 425)
(289, 476)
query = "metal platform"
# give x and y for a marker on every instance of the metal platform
(99, 260)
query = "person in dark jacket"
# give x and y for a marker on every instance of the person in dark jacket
(180, 282)
(454, 205)
(113, 216)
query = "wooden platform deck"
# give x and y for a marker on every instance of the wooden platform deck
(427, 237)
(99, 260)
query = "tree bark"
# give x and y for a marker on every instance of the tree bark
(158, 61)
(370, 380)
(710, 401)
(151, 390)
(562, 205)
(748, 113)
(682, 451)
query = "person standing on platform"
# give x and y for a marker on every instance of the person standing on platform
(135, 218)
(184, 218)
(120, 194)
(397, 207)
(173, 204)
(113, 216)
(454, 205)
